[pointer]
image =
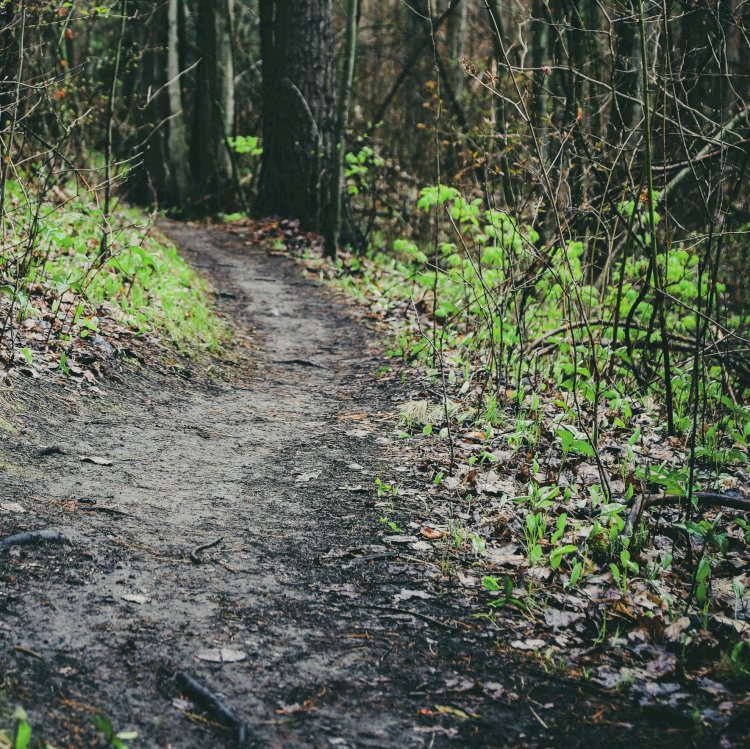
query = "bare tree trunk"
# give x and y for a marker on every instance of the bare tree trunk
(214, 107)
(497, 28)
(299, 110)
(456, 44)
(226, 76)
(333, 223)
(178, 151)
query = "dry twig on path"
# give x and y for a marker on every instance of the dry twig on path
(198, 549)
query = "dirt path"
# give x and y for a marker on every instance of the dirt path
(302, 583)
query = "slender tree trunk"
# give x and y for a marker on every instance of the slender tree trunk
(333, 222)
(498, 31)
(214, 107)
(626, 81)
(152, 185)
(418, 29)
(226, 77)
(178, 151)
(299, 110)
(456, 44)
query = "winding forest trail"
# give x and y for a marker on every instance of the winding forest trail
(301, 586)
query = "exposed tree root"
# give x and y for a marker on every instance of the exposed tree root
(213, 705)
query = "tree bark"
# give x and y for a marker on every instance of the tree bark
(299, 110)
(332, 228)
(214, 107)
(178, 151)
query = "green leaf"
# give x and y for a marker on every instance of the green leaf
(557, 555)
(23, 735)
(704, 570)
(104, 726)
(491, 583)
(575, 575)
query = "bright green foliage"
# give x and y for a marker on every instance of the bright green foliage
(142, 282)
(359, 167)
(246, 145)
(525, 341)
(501, 305)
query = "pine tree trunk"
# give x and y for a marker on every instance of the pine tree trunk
(299, 110)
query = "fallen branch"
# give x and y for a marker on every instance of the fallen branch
(369, 558)
(34, 537)
(198, 549)
(213, 705)
(659, 500)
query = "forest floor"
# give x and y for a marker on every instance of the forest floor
(316, 623)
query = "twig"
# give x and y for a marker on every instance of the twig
(108, 510)
(417, 614)
(370, 558)
(299, 362)
(34, 537)
(198, 549)
(534, 713)
(705, 498)
(210, 702)
(226, 566)
(27, 651)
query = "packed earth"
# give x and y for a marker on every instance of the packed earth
(241, 555)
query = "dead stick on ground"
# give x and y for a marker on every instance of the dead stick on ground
(211, 703)
(28, 651)
(226, 566)
(703, 498)
(198, 549)
(107, 510)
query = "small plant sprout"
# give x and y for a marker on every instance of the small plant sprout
(117, 740)
(392, 525)
(622, 573)
(506, 597)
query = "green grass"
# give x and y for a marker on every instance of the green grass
(143, 283)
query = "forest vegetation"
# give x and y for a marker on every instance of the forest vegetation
(543, 203)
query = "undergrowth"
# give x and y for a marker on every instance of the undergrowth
(57, 287)
(537, 406)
